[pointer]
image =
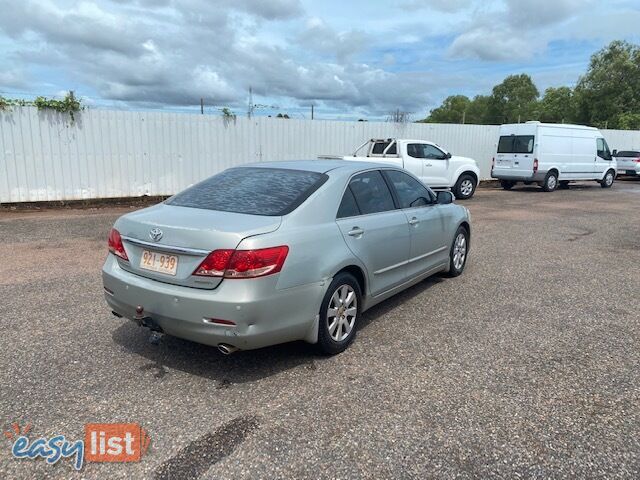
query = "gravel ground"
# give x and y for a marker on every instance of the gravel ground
(525, 366)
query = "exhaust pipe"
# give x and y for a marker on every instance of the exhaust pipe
(226, 349)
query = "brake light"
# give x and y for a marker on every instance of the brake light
(116, 246)
(243, 263)
(638, 160)
(535, 165)
(493, 163)
(215, 264)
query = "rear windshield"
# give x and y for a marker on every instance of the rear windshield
(628, 153)
(378, 148)
(252, 190)
(516, 144)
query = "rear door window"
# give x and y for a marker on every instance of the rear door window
(252, 190)
(371, 193)
(516, 144)
(348, 206)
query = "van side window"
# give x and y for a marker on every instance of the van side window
(371, 193)
(603, 149)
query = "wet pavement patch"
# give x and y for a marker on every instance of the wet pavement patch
(201, 454)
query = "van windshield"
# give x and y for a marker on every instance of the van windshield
(516, 144)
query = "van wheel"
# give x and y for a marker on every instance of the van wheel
(458, 252)
(564, 184)
(550, 182)
(465, 187)
(608, 179)
(339, 313)
(506, 184)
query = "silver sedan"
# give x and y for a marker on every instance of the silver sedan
(281, 251)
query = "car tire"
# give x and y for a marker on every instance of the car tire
(608, 179)
(507, 184)
(550, 182)
(342, 298)
(564, 184)
(458, 252)
(465, 187)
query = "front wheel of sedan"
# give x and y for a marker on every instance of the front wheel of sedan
(339, 314)
(458, 252)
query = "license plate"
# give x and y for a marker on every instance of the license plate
(504, 163)
(159, 262)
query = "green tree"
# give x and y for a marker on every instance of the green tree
(514, 100)
(611, 87)
(628, 121)
(452, 110)
(557, 106)
(478, 110)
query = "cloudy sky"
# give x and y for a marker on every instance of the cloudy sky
(351, 58)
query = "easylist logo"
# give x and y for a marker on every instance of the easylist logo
(103, 442)
(115, 442)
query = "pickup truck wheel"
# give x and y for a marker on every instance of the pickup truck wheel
(507, 184)
(465, 187)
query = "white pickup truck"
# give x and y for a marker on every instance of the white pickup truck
(436, 167)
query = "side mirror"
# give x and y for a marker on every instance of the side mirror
(448, 155)
(614, 153)
(444, 198)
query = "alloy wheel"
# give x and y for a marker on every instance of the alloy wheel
(341, 312)
(459, 251)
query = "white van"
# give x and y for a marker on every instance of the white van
(551, 155)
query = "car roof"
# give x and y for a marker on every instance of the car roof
(320, 166)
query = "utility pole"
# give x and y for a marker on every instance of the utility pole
(312, 111)
(464, 116)
(250, 109)
(201, 106)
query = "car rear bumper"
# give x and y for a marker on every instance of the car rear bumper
(263, 315)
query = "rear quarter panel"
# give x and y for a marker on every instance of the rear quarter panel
(317, 250)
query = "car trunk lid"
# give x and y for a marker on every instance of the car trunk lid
(167, 243)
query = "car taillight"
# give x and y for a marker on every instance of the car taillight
(535, 165)
(115, 244)
(243, 263)
(637, 160)
(215, 264)
(493, 163)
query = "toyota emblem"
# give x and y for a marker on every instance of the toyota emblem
(155, 234)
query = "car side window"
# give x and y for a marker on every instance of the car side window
(603, 149)
(410, 191)
(371, 193)
(432, 152)
(348, 206)
(415, 150)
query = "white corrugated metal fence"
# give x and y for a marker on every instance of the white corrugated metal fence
(44, 156)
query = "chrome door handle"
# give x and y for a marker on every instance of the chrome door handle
(355, 232)
(414, 221)
(428, 165)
